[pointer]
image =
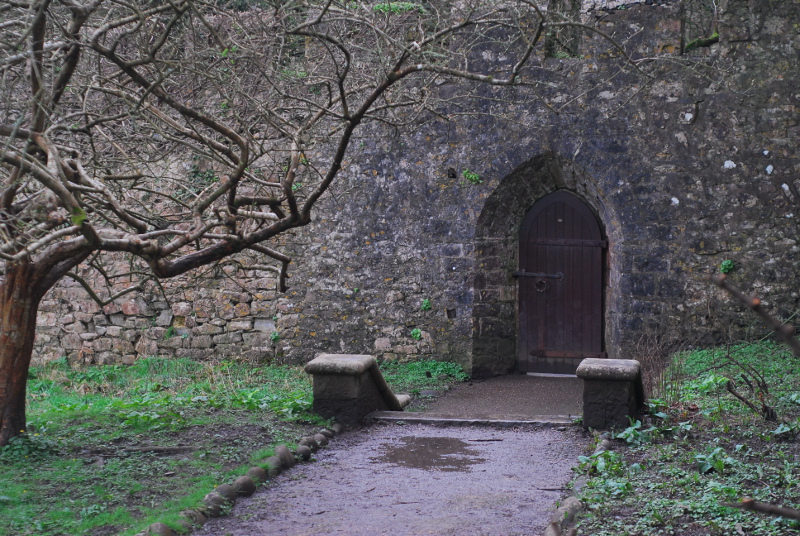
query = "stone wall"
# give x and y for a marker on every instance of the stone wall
(690, 164)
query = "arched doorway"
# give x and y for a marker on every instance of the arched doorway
(561, 258)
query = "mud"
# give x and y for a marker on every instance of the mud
(409, 480)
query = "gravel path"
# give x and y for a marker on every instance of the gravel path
(409, 480)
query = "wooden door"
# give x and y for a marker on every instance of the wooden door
(560, 285)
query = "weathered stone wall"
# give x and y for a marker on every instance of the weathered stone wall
(686, 169)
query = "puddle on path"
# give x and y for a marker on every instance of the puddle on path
(436, 453)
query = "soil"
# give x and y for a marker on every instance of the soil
(409, 480)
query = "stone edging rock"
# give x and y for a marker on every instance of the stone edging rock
(220, 501)
(563, 520)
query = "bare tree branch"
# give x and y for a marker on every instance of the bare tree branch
(97, 299)
(786, 332)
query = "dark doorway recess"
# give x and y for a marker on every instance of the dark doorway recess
(561, 258)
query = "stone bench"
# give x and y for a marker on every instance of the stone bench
(612, 391)
(347, 387)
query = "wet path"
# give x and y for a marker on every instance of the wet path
(409, 480)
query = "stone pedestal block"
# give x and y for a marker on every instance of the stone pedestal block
(612, 391)
(349, 387)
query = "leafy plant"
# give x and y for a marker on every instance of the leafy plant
(605, 462)
(471, 177)
(169, 333)
(426, 305)
(28, 447)
(416, 334)
(634, 435)
(275, 337)
(726, 266)
(291, 405)
(716, 460)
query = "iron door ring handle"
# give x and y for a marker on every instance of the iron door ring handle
(540, 285)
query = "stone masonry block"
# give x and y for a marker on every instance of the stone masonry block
(612, 391)
(336, 387)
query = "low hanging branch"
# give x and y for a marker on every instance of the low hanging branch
(785, 332)
(754, 506)
(766, 411)
(97, 299)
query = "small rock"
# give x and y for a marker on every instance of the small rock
(337, 428)
(303, 452)
(562, 428)
(605, 444)
(321, 439)
(579, 483)
(327, 433)
(159, 529)
(429, 393)
(227, 491)
(215, 504)
(285, 455)
(184, 526)
(274, 466)
(194, 517)
(310, 442)
(244, 486)
(258, 474)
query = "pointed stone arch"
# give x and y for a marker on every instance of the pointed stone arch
(494, 313)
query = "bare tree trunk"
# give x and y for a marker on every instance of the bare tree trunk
(19, 302)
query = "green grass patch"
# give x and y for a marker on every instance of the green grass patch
(115, 448)
(703, 448)
(414, 376)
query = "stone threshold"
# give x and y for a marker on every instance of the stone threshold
(450, 420)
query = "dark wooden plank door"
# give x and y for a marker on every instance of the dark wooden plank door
(560, 285)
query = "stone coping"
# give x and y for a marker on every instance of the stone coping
(608, 369)
(346, 364)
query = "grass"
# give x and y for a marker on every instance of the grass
(701, 448)
(112, 449)
(415, 376)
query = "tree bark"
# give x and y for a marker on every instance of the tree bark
(19, 303)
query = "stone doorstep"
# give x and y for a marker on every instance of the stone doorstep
(445, 420)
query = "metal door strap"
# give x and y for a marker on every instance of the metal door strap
(523, 273)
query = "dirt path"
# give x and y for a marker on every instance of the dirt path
(409, 480)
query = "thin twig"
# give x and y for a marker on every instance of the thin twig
(754, 506)
(784, 331)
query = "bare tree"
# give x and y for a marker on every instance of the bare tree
(178, 133)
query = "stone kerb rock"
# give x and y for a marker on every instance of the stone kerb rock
(612, 391)
(348, 387)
